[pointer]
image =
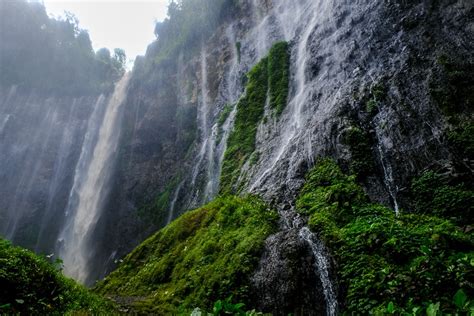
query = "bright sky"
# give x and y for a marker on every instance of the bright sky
(126, 24)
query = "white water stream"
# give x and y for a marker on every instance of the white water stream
(90, 181)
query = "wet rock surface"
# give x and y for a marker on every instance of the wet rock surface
(285, 282)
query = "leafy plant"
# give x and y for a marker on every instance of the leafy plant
(31, 285)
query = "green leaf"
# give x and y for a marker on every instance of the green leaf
(460, 298)
(432, 309)
(239, 305)
(5, 306)
(19, 301)
(217, 307)
(425, 250)
(390, 308)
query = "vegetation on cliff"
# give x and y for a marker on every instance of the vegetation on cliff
(268, 78)
(31, 285)
(203, 256)
(279, 76)
(403, 264)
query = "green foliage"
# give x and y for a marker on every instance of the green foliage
(30, 285)
(224, 114)
(270, 76)
(434, 193)
(386, 264)
(189, 23)
(378, 93)
(205, 254)
(279, 76)
(52, 56)
(362, 162)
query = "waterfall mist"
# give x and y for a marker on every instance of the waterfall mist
(90, 187)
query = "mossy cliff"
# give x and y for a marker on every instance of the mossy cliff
(387, 263)
(204, 255)
(269, 79)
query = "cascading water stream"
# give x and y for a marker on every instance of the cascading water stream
(203, 120)
(388, 178)
(90, 182)
(296, 104)
(4, 122)
(322, 269)
(313, 13)
(172, 207)
(22, 193)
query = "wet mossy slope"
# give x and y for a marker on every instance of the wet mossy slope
(205, 255)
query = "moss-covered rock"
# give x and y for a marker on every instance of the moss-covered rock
(407, 261)
(279, 76)
(269, 77)
(205, 255)
(30, 285)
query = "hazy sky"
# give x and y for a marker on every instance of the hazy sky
(127, 24)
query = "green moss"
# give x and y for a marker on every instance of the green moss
(30, 285)
(279, 76)
(270, 76)
(224, 115)
(378, 93)
(410, 260)
(204, 255)
(156, 211)
(241, 141)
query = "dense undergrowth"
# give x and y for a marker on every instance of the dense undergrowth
(386, 263)
(268, 78)
(203, 256)
(30, 285)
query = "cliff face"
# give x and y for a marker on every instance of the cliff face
(361, 91)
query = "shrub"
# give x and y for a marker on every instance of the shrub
(31, 285)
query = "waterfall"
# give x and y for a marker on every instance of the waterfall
(23, 190)
(207, 151)
(296, 104)
(322, 269)
(60, 170)
(202, 119)
(173, 202)
(90, 184)
(388, 176)
(4, 122)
